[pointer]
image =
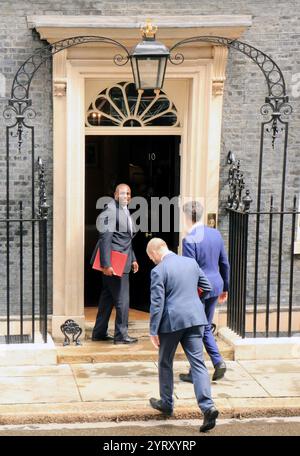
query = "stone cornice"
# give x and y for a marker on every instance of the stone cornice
(125, 22)
(53, 27)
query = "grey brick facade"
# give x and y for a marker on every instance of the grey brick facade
(275, 30)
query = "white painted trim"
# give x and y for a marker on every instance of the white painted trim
(261, 347)
(138, 131)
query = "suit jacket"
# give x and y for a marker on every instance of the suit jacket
(206, 246)
(115, 234)
(175, 303)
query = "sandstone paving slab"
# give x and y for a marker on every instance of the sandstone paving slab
(112, 370)
(280, 385)
(223, 389)
(261, 367)
(117, 389)
(35, 371)
(23, 390)
(269, 406)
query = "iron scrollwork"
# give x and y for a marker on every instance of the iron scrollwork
(19, 105)
(18, 114)
(43, 206)
(237, 200)
(276, 109)
(276, 103)
(70, 327)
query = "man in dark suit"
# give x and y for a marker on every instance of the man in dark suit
(177, 316)
(116, 230)
(206, 246)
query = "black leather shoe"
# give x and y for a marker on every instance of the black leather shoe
(209, 421)
(157, 405)
(220, 370)
(186, 378)
(127, 340)
(98, 339)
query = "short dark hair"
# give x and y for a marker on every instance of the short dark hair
(194, 210)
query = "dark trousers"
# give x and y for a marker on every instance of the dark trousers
(115, 292)
(208, 337)
(191, 341)
(209, 341)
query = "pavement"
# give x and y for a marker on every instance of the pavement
(275, 426)
(100, 381)
(119, 391)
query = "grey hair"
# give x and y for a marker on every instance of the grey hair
(156, 245)
(194, 210)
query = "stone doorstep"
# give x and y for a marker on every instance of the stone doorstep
(41, 354)
(261, 348)
(79, 412)
(97, 352)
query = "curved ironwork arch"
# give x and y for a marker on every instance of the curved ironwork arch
(24, 75)
(271, 71)
(276, 103)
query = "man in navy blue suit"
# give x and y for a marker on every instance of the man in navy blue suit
(177, 316)
(206, 246)
(116, 231)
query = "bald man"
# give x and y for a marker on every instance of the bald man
(116, 230)
(177, 316)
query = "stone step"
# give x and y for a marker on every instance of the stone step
(97, 352)
(103, 352)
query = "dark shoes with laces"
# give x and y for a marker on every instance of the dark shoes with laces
(186, 378)
(219, 372)
(126, 340)
(158, 405)
(106, 337)
(209, 420)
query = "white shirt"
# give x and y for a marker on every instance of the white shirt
(125, 209)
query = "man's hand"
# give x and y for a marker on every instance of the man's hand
(223, 297)
(108, 271)
(135, 267)
(155, 341)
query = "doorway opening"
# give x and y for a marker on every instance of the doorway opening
(150, 165)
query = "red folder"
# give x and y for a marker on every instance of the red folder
(200, 292)
(118, 261)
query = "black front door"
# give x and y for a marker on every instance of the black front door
(150, 165)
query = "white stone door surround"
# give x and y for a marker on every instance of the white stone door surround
(195, 87)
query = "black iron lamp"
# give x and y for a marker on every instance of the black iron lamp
(149, 60)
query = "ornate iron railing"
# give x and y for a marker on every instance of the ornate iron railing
(257, 295)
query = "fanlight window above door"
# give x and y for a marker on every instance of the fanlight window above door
(121, 105)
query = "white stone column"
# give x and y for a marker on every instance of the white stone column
(69, 166)
(216, 90)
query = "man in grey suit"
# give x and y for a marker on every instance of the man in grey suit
(116, 230)
(177, 316)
